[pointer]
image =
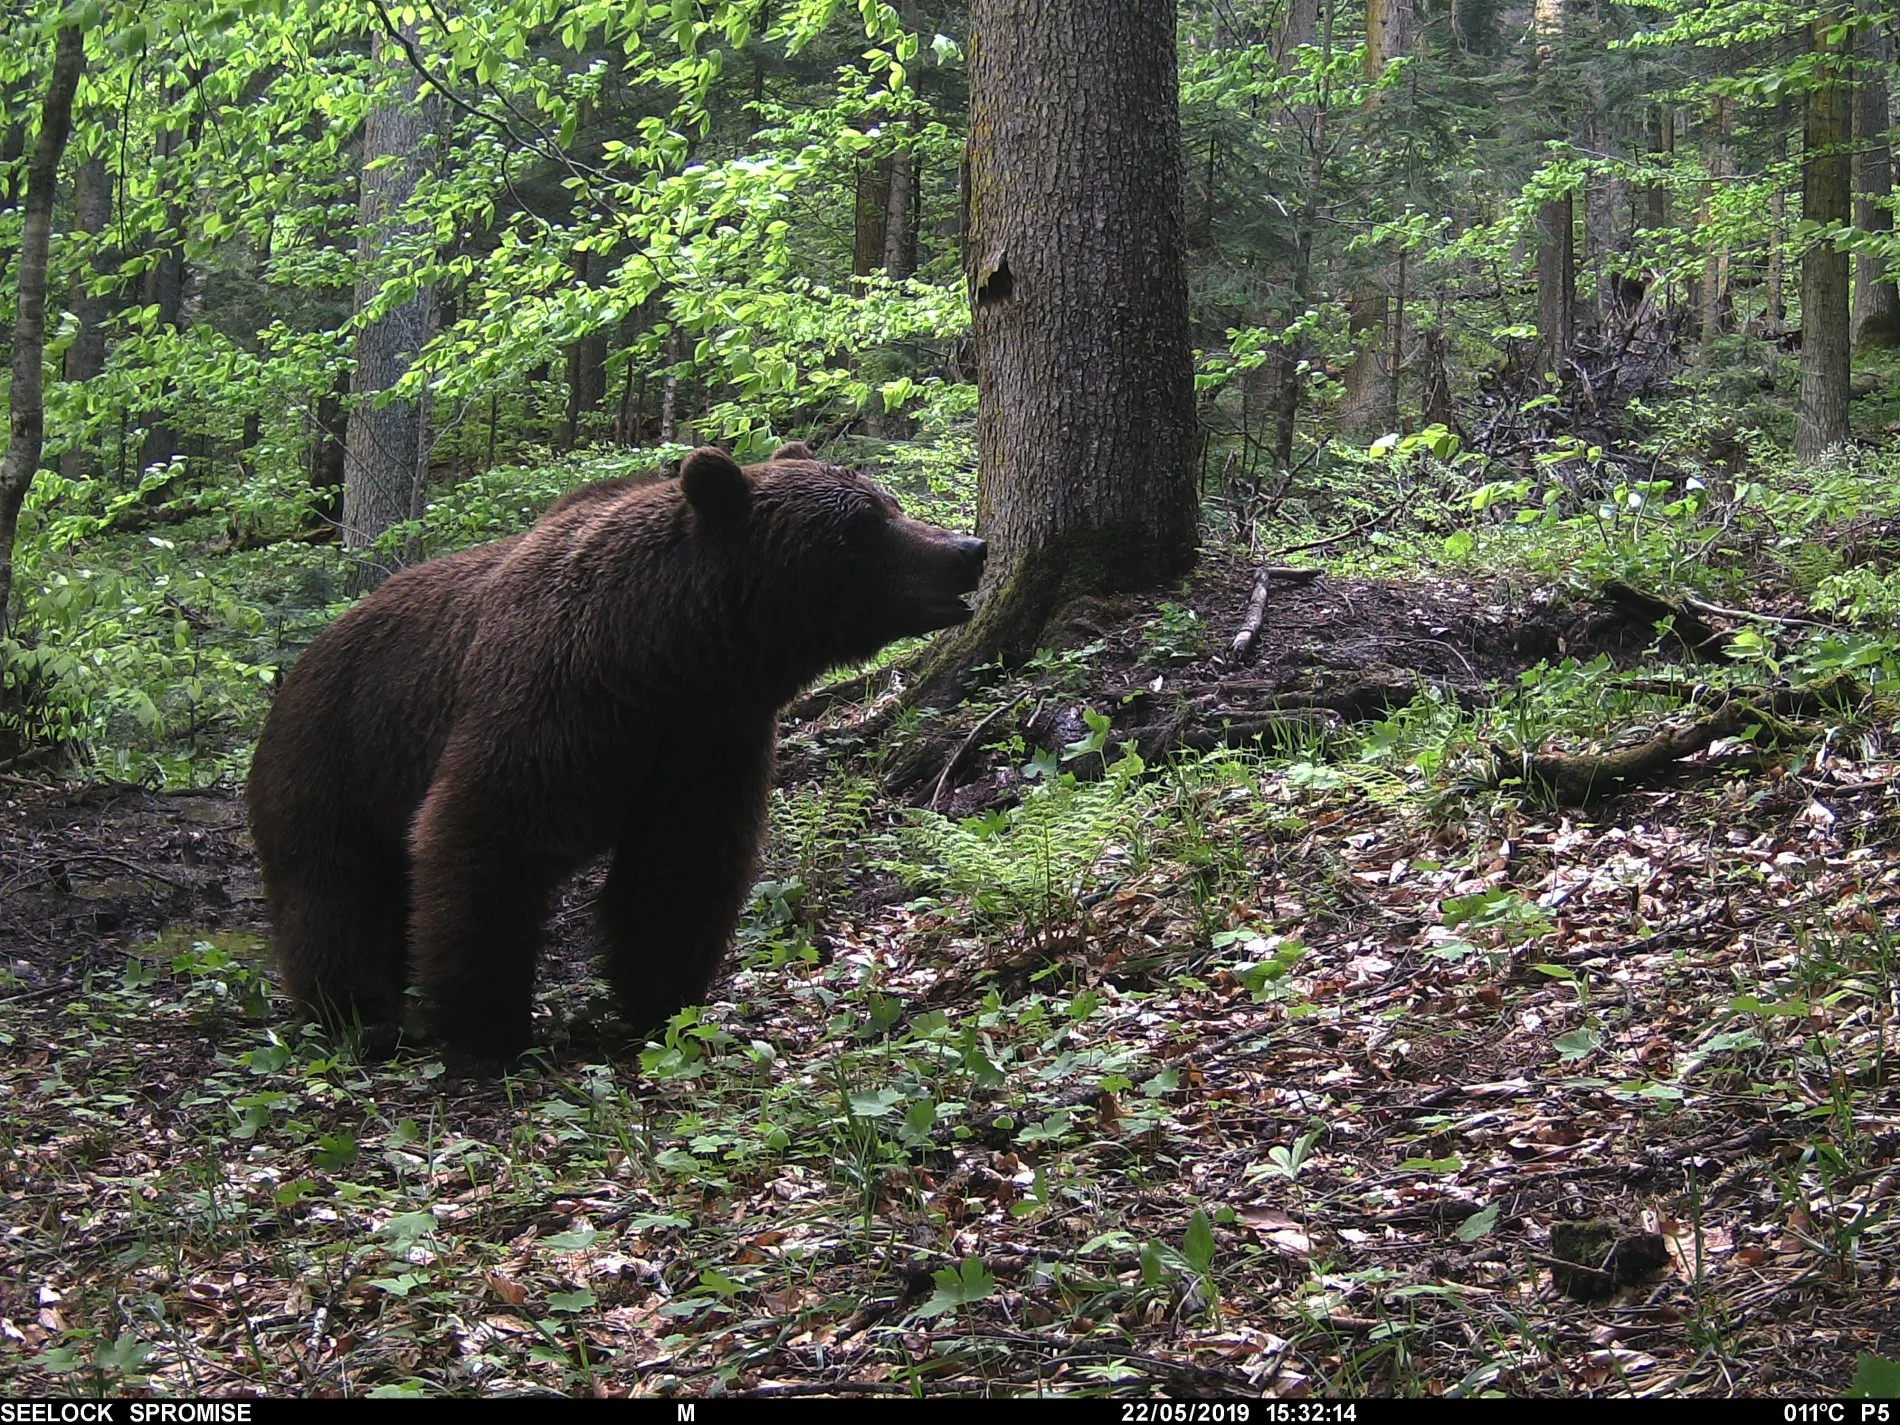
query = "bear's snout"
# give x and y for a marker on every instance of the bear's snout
(975, 553)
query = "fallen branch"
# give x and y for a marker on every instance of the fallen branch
(963, 747)
(1249, 634)
(1577, 779)
(1717, 611)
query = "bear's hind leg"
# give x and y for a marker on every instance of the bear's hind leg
(680, 882)
(339, 932)
(479, 898)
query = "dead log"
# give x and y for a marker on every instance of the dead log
(1185, 733)
(1577, 779)
(1688, 626)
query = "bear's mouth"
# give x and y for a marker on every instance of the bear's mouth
(948, 613)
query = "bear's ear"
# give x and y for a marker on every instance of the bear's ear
(793, 450)
(715, 485)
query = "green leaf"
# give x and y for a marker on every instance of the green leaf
(1875, 1378)
(958, 1286)
(405, 1229)
(1198, 1245)
(1578, 1044)
(1479, 1224)
(875, 1104)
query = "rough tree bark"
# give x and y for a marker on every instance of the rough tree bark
(1076, 255)
(1775, 316)
(872, 210)
(26, 424)
(1299, 27)
(86, 357)
(1712, 302)
(385, 450)
(1556, 284)
(1308, 122)
(900, 217)
(1556, 231)
(164, 286)
(1371, 403)
(586, 360)
(1876, 318)
(1826, 193)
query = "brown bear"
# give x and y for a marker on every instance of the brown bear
(464, 738)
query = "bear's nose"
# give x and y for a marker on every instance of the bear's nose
(976, 551)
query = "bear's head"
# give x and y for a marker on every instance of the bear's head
(831, 567)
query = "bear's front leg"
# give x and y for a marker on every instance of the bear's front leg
(682, 875)
(478, 897)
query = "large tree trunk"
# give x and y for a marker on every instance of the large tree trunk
(86, 357)
(1085, 428)
(1876, 297)
(1388, 33)
(26, 425)
(386, 447)
(1826, 193)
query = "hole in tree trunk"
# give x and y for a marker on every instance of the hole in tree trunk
(997, 286)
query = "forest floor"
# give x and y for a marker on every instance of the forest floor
(1292, 1071)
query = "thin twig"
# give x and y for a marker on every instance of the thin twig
(963, 748)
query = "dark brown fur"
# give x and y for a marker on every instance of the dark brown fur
(466, 736)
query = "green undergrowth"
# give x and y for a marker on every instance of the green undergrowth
(968, 1112)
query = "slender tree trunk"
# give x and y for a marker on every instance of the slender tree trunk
(1556, 285)
(1826, 193)
(1436, 402)
(900, 217)
(1085, 428)
(1712, 306)
(670, 387)
(325, 450)
(1876, 297)
(1661, 123)
(387, 443)
(1556, 230)
(86, 357)
(1605, 200)
(1300, 27)
(1310, 121)
(872, 209)
(1776, 316)
(586, 361)
(1371, 403)
(165, 278)
(26, 425)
